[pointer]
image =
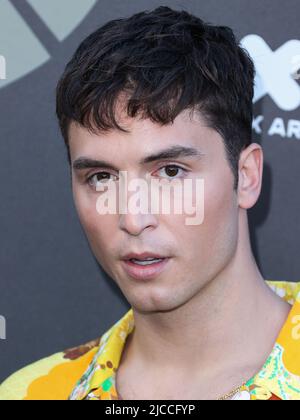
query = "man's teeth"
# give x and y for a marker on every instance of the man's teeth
(146, 262)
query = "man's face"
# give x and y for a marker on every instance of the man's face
(198, 252)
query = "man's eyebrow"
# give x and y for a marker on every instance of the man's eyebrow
(87, 163)
(173, 152)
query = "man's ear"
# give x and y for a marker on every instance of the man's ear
(250, 175)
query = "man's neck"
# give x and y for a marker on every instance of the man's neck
(217, 324)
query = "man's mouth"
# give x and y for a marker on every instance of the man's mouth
(148, 261)
(145, 269)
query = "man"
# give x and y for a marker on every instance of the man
(163, 95)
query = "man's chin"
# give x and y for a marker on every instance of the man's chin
(160, 306)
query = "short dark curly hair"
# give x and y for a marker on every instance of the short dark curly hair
(165, 61)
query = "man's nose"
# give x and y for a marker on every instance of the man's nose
(136, 210)
(135, 224)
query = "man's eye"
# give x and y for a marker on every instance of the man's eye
(94, 179)
(172, 170)
(102, 177)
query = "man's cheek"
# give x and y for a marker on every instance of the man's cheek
(88, 219)
(86, 209)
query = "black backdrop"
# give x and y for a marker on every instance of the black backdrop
(53, 294)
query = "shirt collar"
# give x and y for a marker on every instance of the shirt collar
(99, 378)
(279, 377)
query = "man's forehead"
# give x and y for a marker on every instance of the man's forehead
(116, 150)
(146, 139)
(143, 134)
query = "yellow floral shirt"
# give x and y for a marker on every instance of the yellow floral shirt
(89, 371)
